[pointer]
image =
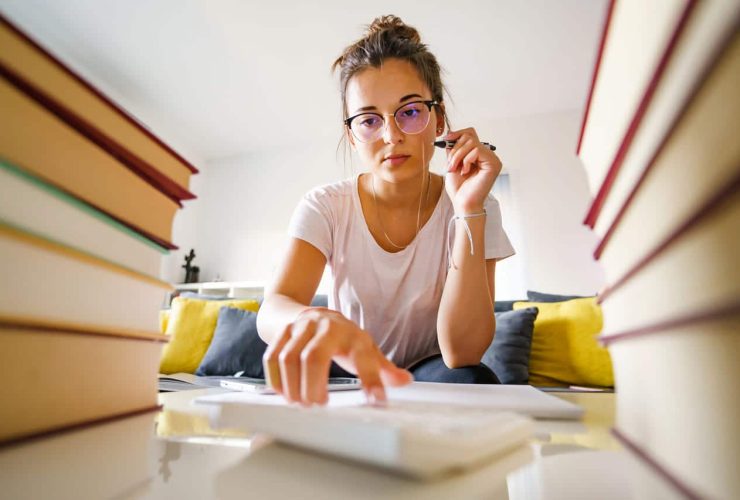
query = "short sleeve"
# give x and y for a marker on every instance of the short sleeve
(312, 222)
(498, 245)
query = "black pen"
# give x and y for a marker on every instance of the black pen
(448, 144)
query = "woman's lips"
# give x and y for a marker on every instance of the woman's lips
(396, 159)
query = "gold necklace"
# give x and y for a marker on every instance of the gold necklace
(418, 213)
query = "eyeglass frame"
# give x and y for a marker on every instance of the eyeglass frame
(429, 103)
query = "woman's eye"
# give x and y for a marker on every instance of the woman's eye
(410, 113)
(369, 122)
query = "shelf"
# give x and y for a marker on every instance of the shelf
(236, 289)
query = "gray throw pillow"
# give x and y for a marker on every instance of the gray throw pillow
(551, 297)
(235, 346)
(320, 301)
(508, 354)
(505, 305)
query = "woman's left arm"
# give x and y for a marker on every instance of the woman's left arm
(466, 320)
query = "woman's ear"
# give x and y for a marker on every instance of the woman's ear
(440, 114)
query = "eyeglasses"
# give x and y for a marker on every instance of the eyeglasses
(411, 118)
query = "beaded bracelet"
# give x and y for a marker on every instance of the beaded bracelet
(464, 218)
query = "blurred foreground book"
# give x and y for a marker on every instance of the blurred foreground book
(87, 201)
(661, 151)
(114, 459)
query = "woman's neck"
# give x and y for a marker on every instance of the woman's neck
(399, 196)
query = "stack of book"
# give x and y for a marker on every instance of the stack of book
(661, 149)
(87, 201)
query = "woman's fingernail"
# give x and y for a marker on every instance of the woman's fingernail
(375, 396)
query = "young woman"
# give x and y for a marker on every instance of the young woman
(413, 254)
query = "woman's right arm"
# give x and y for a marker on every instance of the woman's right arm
(303, 340)
(292, 290)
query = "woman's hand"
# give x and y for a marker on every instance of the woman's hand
(297, 363)
(472, 169)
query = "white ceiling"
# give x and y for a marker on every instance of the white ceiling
(220, 78)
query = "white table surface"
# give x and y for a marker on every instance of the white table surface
(176, 454)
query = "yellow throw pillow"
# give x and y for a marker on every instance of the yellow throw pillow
(164, 316)
(565, 349)
(190, 327)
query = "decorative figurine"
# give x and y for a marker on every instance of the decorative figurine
(191, 272)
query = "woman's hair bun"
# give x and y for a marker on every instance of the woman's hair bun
(394, 24)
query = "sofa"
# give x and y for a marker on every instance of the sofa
(546, 340)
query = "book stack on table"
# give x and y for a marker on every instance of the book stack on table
(87, 201)
(661, 150)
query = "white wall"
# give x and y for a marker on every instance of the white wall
(550, 192)
(237, 225)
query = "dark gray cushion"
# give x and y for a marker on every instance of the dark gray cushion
(508, 354)
(505, 305)
(235, 346)
(320, 301)
(550, 297)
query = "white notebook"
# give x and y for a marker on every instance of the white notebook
(425, 429)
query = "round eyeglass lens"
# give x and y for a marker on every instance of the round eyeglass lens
(412, 118)
(367, 127)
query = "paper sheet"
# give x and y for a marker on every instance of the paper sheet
(522, 399)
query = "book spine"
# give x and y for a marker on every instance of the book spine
(613, 170)
(97, 177)
(706, 211)
(39, 325)
(714, 60)
(676, 483)
(55, 283)
(599, 56)
(106, 216)
(17, 234)
(697, 273)
(33, 206)
(64, 429)
(53, 380)
(117, 109)
(669, 325)
(138, 166)
(676, 400)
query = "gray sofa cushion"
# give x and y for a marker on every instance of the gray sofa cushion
(551, 297)
(235, 346)
(505, 305)
(508, 354)
(320, 301)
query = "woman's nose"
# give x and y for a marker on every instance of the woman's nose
(391, 133)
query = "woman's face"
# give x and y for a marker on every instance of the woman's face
(383, 90)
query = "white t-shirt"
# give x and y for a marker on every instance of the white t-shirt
(393, 296)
